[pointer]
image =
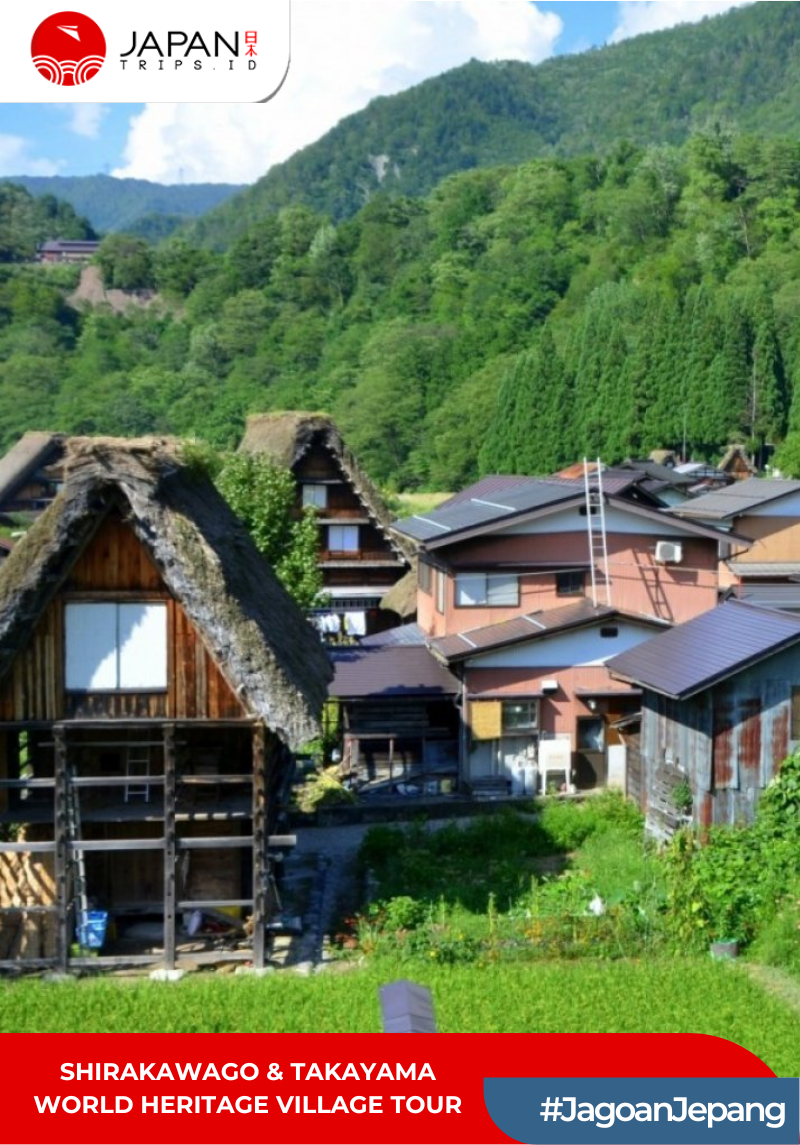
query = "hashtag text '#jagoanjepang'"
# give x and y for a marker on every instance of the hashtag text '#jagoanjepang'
(607, 1113)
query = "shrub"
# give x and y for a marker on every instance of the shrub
(323, 788)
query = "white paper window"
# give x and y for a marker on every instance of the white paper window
(116, 647)
(316, 496)
(343, 538)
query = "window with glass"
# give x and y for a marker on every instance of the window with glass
(440, 590)
(572, 583)
(115, 647)
(315, 496)
(343, 538)
(520, 716)
(499, 590)
(424, 576)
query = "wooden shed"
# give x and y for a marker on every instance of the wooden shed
(154, 679)
(721, 711)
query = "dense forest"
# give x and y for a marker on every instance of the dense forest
(133, 205)
(514, 319)
(26, 222)
(740, 67)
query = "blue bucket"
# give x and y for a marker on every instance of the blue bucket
(91, 929)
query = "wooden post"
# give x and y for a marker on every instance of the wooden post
(170, 846)
(259, 845)
(407, 1008)
(60, 823)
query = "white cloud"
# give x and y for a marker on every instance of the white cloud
(16, 158)
(86, 118)
(343, 54)
(639, 16)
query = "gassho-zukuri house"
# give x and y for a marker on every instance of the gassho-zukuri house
(154, 679)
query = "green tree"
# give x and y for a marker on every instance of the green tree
(264, 498)
(126, 263)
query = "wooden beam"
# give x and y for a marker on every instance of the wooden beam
(199, 904)
(170, 848)
(259, 845)
(61, 840)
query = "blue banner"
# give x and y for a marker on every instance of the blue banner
(661, 1111)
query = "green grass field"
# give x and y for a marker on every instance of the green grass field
(677, 996)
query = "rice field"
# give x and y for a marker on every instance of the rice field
(670, 995)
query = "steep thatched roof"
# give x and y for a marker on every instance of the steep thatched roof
(33, 450)
(257, 635)
(286, 437)
(402, 597)
(737, 460)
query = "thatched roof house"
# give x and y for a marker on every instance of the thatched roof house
(33, 452)
(270, 656)
(287, 437)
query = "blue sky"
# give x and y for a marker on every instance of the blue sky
(383, 48)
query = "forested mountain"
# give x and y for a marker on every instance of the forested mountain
(516, 318)
(25, 222)
(741, 67)
(129, 204)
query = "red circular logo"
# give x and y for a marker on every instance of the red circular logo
(68, 48)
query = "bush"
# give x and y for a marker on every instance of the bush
(323, 788)
(735, 885)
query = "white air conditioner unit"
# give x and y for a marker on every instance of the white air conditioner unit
(669, 553)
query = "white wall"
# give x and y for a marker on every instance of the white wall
(583, 648)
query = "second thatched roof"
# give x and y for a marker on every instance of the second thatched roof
(286, 437)
(257, 635)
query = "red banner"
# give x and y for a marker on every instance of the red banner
(301, 1088)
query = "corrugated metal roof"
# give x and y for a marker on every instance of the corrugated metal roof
(708, 649)
(737, 499)
(521, 629)
(407, 635)
(474, 514)
(761, 569)
(487, 487)
(785, 597)
(473, 511)
(398, 672)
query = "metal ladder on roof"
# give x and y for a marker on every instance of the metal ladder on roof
(596, 529)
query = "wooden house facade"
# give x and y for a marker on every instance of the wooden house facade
(360, 559)
(399, 717)
(154, 678)
(766, 570)
(720, 712)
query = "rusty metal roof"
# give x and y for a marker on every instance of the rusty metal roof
(533, 626)
(399, 672)
(704, 651)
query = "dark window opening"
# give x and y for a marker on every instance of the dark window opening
(571, 583)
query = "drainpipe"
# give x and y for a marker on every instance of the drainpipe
(463, 732)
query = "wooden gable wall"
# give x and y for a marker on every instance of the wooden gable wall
(115, 566)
